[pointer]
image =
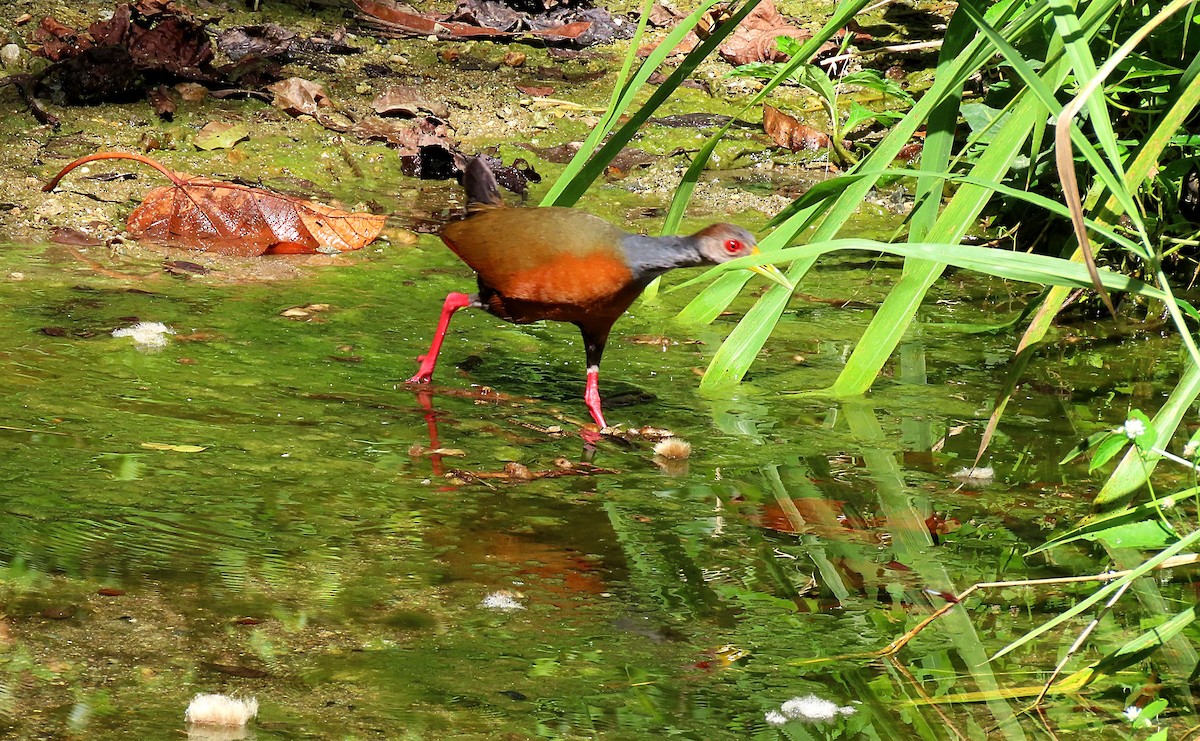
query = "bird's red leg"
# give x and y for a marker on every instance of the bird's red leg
(593, 344)
(454, 302)
(591, 395)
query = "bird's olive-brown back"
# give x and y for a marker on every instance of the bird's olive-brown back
(543, 255)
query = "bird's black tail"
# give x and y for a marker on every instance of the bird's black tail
(480, 185)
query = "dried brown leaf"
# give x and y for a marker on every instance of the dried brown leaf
(788, 132)
(754, 38)
(298, 96)
(231, 219)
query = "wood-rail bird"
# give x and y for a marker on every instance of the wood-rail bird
(566, 265)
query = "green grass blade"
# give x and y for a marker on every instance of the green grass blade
(964, 56)
(585, 167)
(1019, 266)
(899, 308)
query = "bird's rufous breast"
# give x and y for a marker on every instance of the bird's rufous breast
(543, 255)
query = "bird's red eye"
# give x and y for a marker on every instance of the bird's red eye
(734, 246)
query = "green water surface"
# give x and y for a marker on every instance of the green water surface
(254, 509)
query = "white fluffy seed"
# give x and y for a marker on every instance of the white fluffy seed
(673, 448)
(220, 710)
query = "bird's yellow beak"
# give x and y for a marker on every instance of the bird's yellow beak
(771, 273)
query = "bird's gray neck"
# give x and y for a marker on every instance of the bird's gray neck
(650, 257)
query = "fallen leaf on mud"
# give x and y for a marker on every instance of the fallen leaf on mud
(161, 102)
(176, 448)
(298, 96)
(202, 214)
(754, 38)
(789, 132)
(218, 135)
(663, 15)
(191, 92)
(266, 41)
(406, 101)
(274, 42)
(183, 267)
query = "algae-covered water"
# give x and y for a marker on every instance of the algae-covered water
(262, 508)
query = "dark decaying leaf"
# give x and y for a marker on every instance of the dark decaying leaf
(198, 213)
(789, 132)
(96, 75)
(574, 24)
(433, 161)
(271, 41)
(161, 102)
(142, 46)
(268, 41)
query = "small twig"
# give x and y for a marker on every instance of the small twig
(24, 84)
(915, 46)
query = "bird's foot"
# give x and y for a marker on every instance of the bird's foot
(424, 375)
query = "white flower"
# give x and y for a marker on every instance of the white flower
(220, 710)
(1166, 502)
(1132, 712)
(502, 600)
(776, 718)
(146, 335)
(1133, 428)
(1189, 450)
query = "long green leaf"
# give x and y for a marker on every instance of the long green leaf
(1020, 266)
